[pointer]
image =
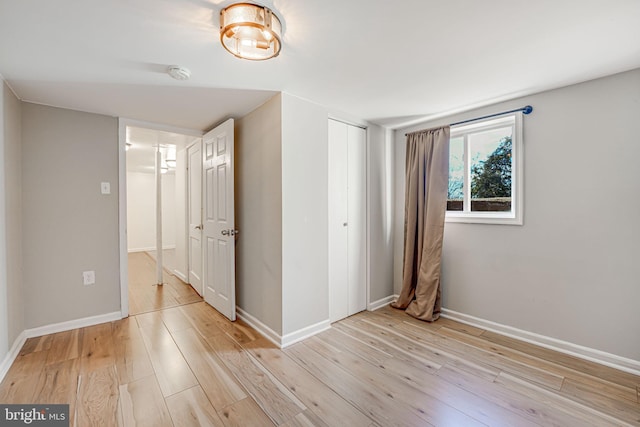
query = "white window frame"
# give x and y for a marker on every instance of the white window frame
(515, 216)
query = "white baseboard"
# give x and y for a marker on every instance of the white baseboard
(372, 306)
(12, 354)
(593, 355)
(52, 329)
(181, 276)
(304, 333)
(150, 249)
(73, 324)
(256, 324)
(277, 339)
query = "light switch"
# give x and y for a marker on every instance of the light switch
(105, 187)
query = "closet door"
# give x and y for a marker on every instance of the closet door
(357, 219)
(347, 220)
(338, 222)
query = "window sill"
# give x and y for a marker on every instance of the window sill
(482, 218)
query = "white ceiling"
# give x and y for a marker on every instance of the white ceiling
(382, 61)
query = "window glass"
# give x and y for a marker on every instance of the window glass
(490, 163)
(485, 171)
(455, 196)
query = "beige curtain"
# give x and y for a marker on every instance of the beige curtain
(427, 181)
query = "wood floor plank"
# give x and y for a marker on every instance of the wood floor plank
(32, 345)
(217, 381)
(522, 404)
(383, 407)
(21, 381)
(342, 341)
(142, 404)
(327, 405)
(594, 369)
(145, 296)
(65, 345)
(603, 402)
(272, 396)
(173, 372)
(245, 413)
(97, 401)
(405, 343)
(175, 320)
(306, 419)
(462, 348)
(97, 348)
(132, 359)
(437, 389)
(58, 384)
(553, 399)
(191, 408)
(432, 410)
(380, 340)
(209, 322)
(201, 319)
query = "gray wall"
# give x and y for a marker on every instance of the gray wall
(571, 271)
(68, 226)
(258, 187)
(13, 209)
(304, 214)
(380, 179)
(4, 315)
(11, 300)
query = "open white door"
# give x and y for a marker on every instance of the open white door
(194, 185)
(218, 220)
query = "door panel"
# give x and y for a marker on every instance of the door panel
(338, 222)
(357, 230)
(194, 185)
(347, 220)
(219, 224)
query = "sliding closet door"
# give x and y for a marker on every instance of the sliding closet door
(357, 219)
(347, 220)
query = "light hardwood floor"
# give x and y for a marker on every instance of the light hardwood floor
(189, 366)
(145, 295)
(180, 363)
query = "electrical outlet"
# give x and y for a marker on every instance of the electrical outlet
(89, 277)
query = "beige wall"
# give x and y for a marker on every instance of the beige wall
(141, 211)
(258, 207)
(380, 225)
(571, 271)
(13, 209)
(68, 226)
(11, 291)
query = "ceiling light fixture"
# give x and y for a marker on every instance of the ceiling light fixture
(250, 31)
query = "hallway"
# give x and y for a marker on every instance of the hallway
(146, 296)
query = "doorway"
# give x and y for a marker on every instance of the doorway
(152, 279)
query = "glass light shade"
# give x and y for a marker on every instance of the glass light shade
(250, 31)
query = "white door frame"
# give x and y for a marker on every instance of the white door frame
(122, 197)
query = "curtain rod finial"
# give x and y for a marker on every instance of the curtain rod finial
(527, 110)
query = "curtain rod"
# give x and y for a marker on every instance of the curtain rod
(525, 110)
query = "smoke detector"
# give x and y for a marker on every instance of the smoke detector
(178, 72)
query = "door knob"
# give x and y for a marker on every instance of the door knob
(225, 232)
(198, 227)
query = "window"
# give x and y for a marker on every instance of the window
(485, 171)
